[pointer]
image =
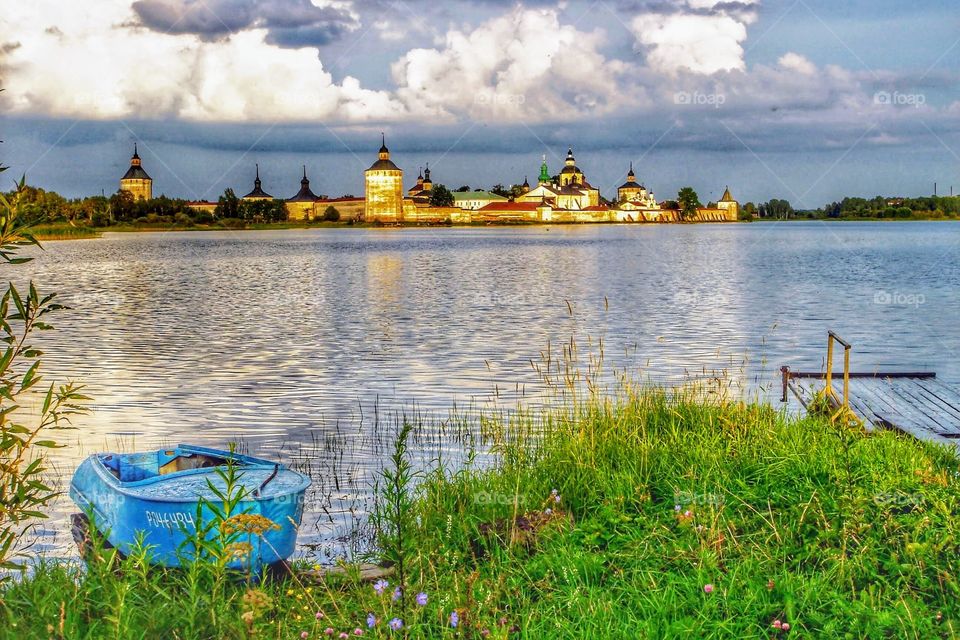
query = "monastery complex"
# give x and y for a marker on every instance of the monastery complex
(565, 197)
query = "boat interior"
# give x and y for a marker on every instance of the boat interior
(132, 467)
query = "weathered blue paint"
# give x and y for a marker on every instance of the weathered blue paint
(149, 493)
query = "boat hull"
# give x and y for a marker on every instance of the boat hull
(165, 512)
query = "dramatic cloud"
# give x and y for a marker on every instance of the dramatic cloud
(290, 23)
(100, 69)
(524, 64)
(701, 36)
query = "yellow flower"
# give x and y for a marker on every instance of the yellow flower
(248, 523)
(238, 550)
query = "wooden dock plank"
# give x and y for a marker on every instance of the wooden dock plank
(922, 410)
(948, 395)
(888, 409)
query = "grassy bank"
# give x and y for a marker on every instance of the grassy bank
(653, 514)
(63, 231)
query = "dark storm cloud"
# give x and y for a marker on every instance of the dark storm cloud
(290, 23)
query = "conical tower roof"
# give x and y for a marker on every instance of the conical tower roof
(136, 171)
(305, 194)
(258, 191)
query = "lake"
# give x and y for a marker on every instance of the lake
(291, 341)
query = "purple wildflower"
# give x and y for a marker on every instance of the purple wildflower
(380, 586)
(397, 594)
(396, 624)
(422, 599)
(371, 620)
(454, 619)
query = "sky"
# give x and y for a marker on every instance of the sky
(806, 100)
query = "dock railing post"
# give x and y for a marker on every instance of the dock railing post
(829, 387)
(785, 375)
(846, 377)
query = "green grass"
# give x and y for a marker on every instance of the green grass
(63, 231)
(837, 533)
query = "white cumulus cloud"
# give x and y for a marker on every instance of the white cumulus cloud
(519, 65)
(702, 44)
(101, 65)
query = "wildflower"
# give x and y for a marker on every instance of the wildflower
(343, 635)
(556, 499)
(304, 635)
(777, 624)
(248, 523)
(371, 621)
(396, 624)
(687, 514)
(708, 588)
(770, 585)
(454, 619)
(397, 594)
(548, 511)
(237, 550)
(380, 586)
(422, 599)
(677, 508)
(786, 626)
(554, 493)
(485, 633)
(328, 631)
(319, 615)
(358, 631)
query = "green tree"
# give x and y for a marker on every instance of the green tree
(777, 209)
(500, 190)
(228, 205)
(465, 188)
(689, 202)
(440, 196)
(24, 493)
(331, 214)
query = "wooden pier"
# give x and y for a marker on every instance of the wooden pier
(915, 402)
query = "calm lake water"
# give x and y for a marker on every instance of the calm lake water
(289, 341)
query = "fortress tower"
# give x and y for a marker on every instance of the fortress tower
(136, 181)
(384, 189)
(728, 204)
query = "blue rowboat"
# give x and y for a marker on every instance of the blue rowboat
(157, 494)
